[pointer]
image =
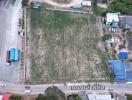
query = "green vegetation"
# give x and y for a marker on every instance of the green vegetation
(129, 96)
(130, 59)
(106, 37)
(52, 93)
(122, 6)
(129, 33)
(97, 10)
(15, 97)
(74, 97)
(25, 2)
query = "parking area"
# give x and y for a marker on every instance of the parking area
(9, 38)
(5, 3)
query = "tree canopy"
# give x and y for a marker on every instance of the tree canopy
(122, 6)
(52, 93)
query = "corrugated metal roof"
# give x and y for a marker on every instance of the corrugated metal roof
(128, 20)
(110, 17)
(123, 55)
(86, 3)
(118, 68)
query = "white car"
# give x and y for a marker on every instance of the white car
(27, 90)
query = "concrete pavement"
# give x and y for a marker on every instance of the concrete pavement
(9, 38)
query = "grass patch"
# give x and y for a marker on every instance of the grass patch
(64, 48)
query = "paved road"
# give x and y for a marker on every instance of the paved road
(37, 89)
(8, 39)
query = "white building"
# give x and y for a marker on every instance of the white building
(100, 97)
(87, 3)
(112, 17)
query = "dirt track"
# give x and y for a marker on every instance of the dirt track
(51, 2)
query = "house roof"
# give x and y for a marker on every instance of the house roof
(99, 97)
(86, 3)
(77, 6)
(123, 55)
(119, 70)
(122, 70)
(128, 20)
(110, 17)
(6, 97)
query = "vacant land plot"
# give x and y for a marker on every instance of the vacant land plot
(63, 47)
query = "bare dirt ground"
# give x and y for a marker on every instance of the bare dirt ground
(63, 47)
(68, 4)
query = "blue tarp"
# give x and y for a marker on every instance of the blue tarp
(122, 70)
(118, 68)
(123, 55)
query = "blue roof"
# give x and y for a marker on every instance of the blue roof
(118, 68)
(122, 70)
(123, 55)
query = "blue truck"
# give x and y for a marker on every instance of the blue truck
(14, 54)
(17, 55)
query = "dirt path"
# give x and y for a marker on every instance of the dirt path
(51, 2)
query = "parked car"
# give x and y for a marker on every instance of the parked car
(27, 90)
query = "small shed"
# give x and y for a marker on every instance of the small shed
(77, 6)
(123, 55)
(87, 3)
(36, 5)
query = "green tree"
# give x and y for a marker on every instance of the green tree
(129, 97)
(25, 2)
(15, 97)
(106, 37)
(52, 93)
(122, 6)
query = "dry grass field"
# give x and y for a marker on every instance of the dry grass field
(63, 47)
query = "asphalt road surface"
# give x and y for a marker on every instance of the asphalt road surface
(66, 88)
(9, 38)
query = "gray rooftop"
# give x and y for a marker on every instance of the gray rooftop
(128, 20)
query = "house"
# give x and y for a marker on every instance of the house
(4, 96)
(112, 21)
(87, 3)
(95, 96)
(122, 70)
(112, 18)
(77, 6)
